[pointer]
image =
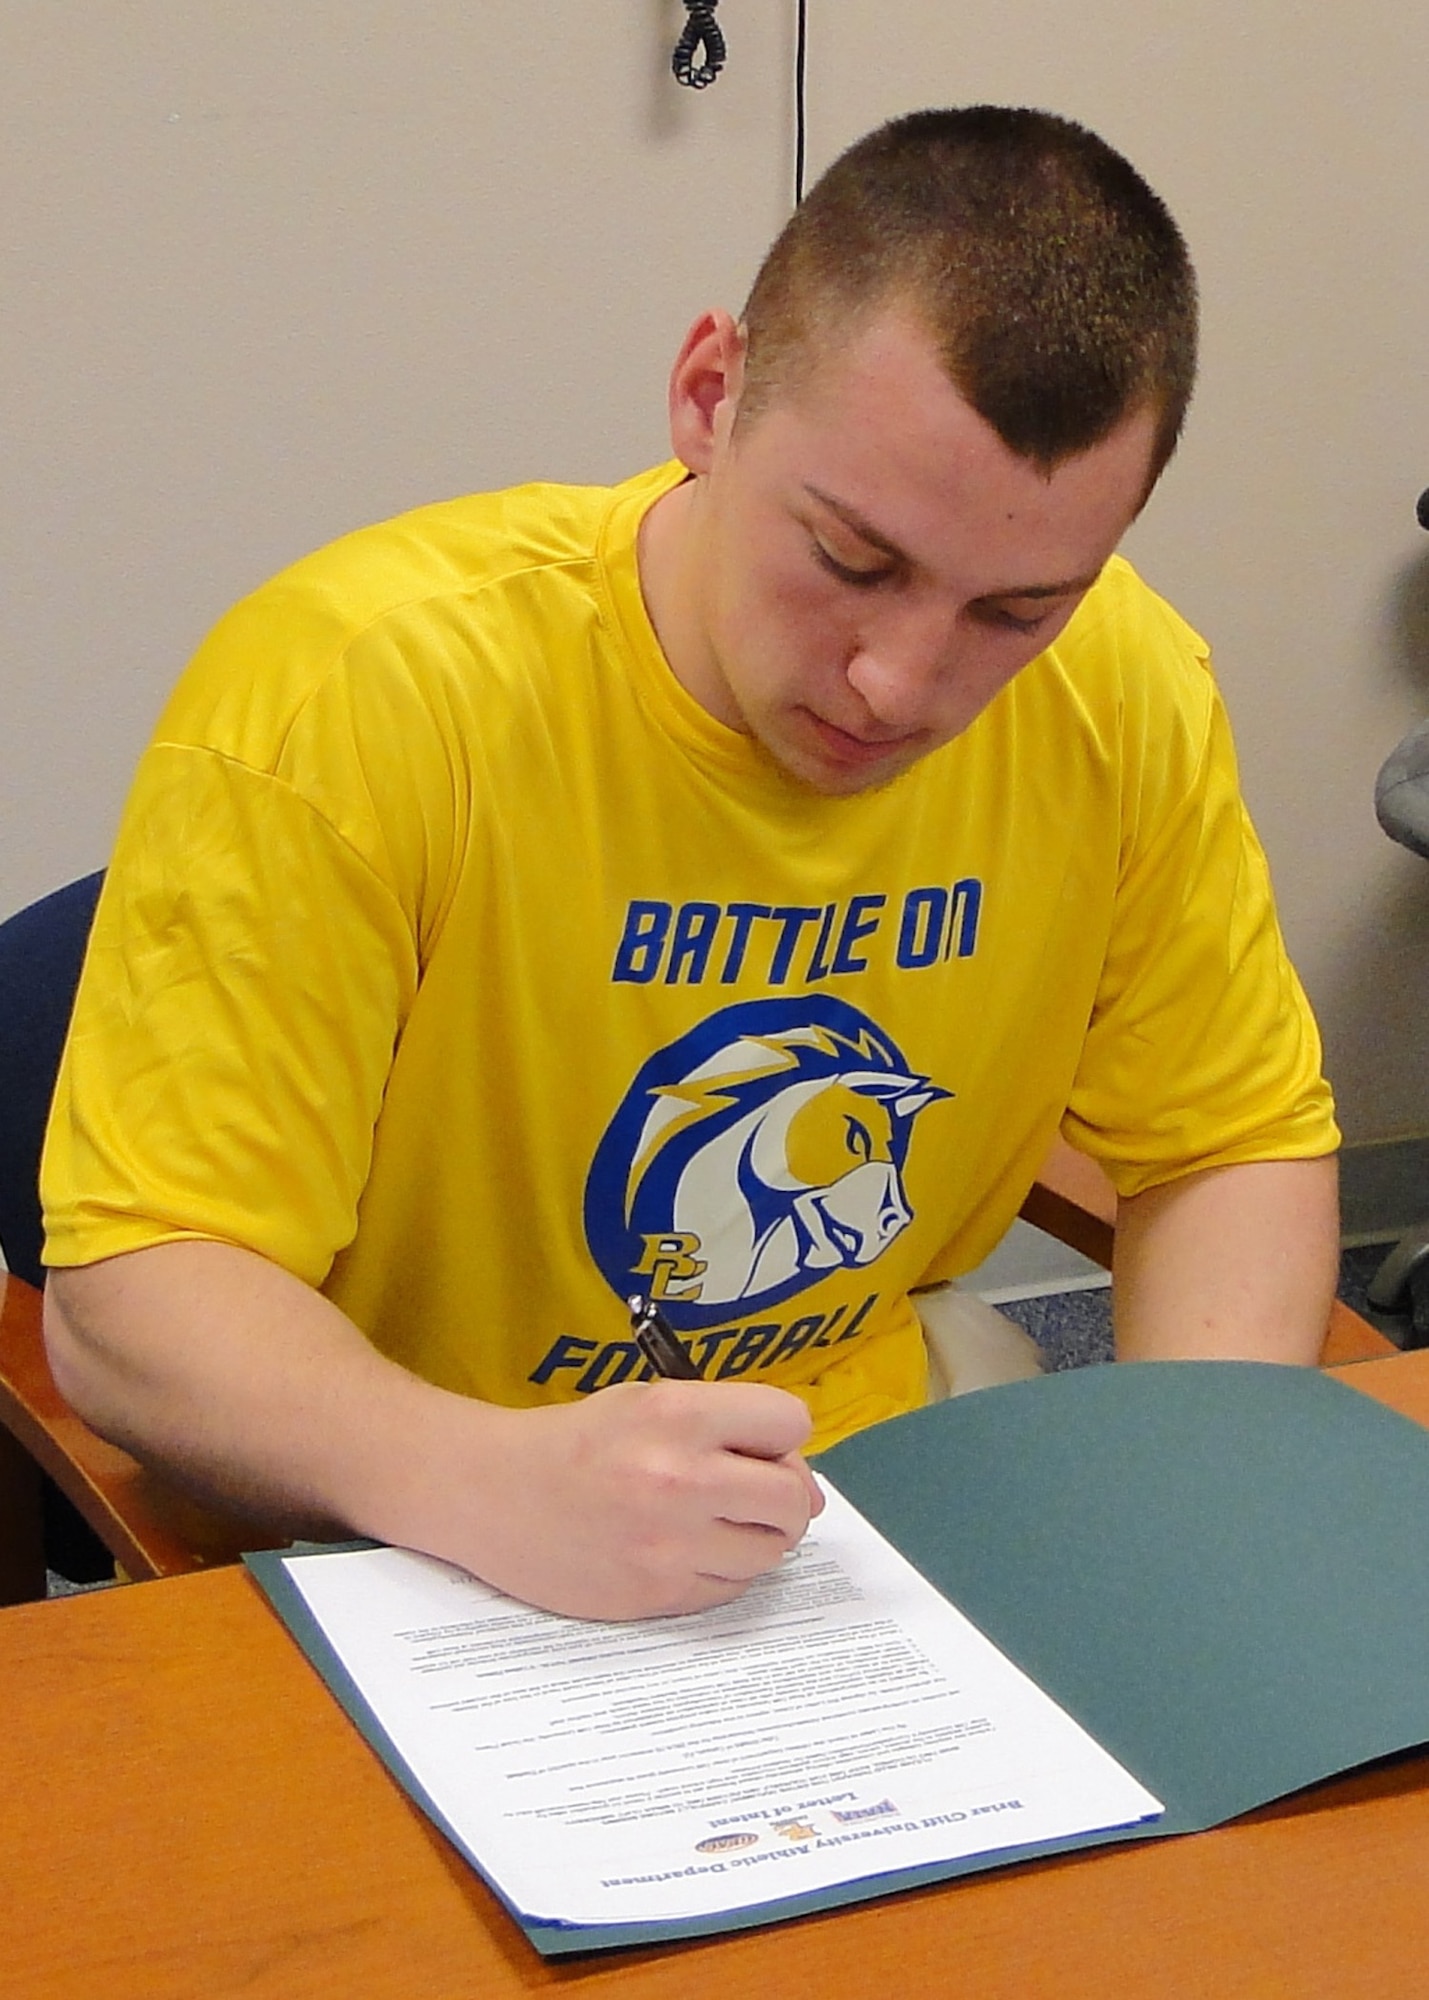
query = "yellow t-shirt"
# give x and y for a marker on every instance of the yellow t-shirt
(454, 958)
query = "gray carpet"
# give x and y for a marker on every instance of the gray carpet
(60, 1586)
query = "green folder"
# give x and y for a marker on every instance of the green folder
(1220, 1569)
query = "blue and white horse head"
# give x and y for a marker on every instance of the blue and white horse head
(768, 1152)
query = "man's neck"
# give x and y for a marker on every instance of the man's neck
(664, 553)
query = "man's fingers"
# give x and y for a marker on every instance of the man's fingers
(756, 1430)
(811, 1485)
(704, 1593)
(752, 1418)
(734, 1552)
(773, 1497)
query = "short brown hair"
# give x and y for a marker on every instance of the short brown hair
(1055, 283)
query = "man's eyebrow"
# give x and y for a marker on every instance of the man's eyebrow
(866, 532)
(1073, 587)
(862, 527)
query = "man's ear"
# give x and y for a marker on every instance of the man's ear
(704, 388)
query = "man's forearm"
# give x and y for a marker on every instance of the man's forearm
(1237, 1263)
(236, 1379)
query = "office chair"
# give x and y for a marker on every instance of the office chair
(141, 1522)
(68, 1500)
(41, 950)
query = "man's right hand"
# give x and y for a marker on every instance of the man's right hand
(644, 1500)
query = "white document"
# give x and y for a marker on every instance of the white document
(840, 1720)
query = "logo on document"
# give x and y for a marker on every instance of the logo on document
(752, 1157)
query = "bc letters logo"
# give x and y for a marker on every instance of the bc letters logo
(752, 1157)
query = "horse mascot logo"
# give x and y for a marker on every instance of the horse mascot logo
(760, 1151)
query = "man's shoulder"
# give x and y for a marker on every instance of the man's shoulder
(1121, 612)
(1126, 692)
(1131, 664)
(393, 611)
(449, 548)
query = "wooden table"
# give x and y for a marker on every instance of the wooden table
(185, 1811)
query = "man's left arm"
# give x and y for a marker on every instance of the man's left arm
(1235, 1263)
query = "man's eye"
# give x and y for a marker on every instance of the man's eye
(861, 579)
(997, 614)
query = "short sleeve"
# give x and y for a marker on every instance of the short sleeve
(247, 979)
(1201, 1050)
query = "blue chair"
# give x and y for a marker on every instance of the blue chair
(41, 951)
(69, 1501)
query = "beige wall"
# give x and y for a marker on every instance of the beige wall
(270, 270)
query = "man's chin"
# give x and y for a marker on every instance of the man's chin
(839, 766)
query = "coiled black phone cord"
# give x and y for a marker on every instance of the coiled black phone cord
(701, 31)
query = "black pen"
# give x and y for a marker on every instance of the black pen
(656, 1340)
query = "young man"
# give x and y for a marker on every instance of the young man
(721, 888)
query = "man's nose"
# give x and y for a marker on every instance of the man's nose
(905, 667)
